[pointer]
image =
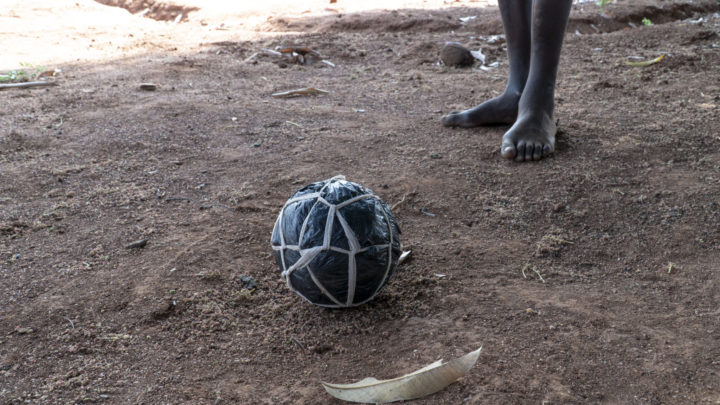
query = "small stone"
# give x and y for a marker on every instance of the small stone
(163, 310)
(138, 244)
(23, 331)
(454, 54)
(148, 86)
(248, 282)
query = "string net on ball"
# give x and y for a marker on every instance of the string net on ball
(337, 243)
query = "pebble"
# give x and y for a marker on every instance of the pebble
(248, 282)
(137, 244)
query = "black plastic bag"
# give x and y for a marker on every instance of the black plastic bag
(337, 243)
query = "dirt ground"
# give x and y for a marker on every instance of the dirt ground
(589, 277)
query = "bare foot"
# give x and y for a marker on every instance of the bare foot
(532, 137)
(498, 110)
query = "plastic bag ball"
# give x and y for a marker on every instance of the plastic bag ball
(337, 243)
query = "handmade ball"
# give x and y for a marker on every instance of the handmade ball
(337, 243)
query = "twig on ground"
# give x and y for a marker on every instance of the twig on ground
(670, 267)
(534, 269)
(402, 200)
(424, 211)
(645, 63)
(271, 52)
(538, 273)
(298, 343)
(25, 85)
(251, 57)
(525, 267)
(305, 91)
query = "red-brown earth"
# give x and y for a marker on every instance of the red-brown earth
(588, 277)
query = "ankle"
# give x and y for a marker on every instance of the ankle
(512, 93)
(536, 107)
(537, 115)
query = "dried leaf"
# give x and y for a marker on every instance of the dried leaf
(478, 55)
(48, 73)
(427, 380)
(645, 63)
(301, 55)
(251, 57)
(22, 331)
(271, 52)
(306, 91)
(404, 256)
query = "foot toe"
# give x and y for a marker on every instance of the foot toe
(508, 150)
(529, 152)
(538, 151)
(520, 155)
(530, 139)
(450, 120)
(547, 150)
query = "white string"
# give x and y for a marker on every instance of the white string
(352, 264)
(352, 279)
(340, 250)
(329, 226)
(322, 287)
(302, 198)
(349, 234)
(306, 256)
(358, 198)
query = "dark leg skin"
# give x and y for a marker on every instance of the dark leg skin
(534, 31)
(532, 137)
(516, 16)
